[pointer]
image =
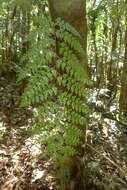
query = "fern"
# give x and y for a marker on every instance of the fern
(56, 81)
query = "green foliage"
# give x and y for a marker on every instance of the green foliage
(23, 3)
(56, 82)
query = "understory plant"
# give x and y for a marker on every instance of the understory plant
(55, 88)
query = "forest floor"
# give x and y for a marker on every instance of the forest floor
(24, 165)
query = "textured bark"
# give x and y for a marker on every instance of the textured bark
(112, 69)
(123, 94)
(123, 91)
(73, 12)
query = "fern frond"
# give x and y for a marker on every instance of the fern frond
(56, 80)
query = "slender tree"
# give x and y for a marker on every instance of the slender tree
(123, 92)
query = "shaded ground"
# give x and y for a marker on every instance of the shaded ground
(23, 164)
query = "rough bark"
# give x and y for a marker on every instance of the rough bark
(123, 94)
(123, 91)
(73, 12)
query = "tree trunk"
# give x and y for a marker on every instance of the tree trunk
(112, 67)
(74, 13)
(123, 92)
